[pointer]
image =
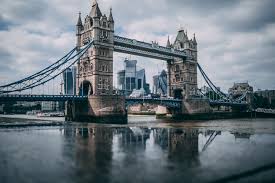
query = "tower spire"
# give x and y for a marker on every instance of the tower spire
(79, 22)
(95, 12)
(168, 43)
(194, 39)
(111, 19)
(94, 2)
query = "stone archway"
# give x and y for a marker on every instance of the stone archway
(86, 88)
(178, 94)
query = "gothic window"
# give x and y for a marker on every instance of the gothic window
(177, 68)
(104, 24)
(105, 34)
(99, 83)
(107, 84)
(85, 66)
(91, 67)
(177, 77)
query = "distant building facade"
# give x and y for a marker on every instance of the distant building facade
(131, 79)
(69, 78)
(268, 94)
(239, 89)
(160, 84)
(50, 106)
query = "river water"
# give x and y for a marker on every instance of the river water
(145, 150)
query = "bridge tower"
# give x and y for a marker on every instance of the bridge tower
(95, 70)
(182, 75)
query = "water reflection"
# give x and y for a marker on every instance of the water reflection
(132, 154)
(93, 152)
(103, 150)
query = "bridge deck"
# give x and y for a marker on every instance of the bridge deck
(32, 98)
(132, 46)
(174, 103)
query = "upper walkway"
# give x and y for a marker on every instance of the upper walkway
(151, 50)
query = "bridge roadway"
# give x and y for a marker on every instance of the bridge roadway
(172, 103)
(169, 102)
(151, 50)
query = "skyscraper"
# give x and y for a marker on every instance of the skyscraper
(130, 78)
(160, 84)
(69, 78)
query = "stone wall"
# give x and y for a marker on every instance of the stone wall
(195, 106)
(103, 105)
(101, 108)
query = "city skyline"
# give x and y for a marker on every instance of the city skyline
(235, 39)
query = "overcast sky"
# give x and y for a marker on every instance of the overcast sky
(236, 38)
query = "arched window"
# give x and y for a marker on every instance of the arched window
(104, 24)
(177, 68)
(100, 83)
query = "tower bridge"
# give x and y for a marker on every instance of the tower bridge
(93, 56)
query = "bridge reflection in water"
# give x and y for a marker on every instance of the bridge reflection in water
(107, 151)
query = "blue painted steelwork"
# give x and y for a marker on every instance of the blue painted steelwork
(223, 99)
(46, 74)
(227, 103)
(170, 103)
(32, 98)
(132, 46)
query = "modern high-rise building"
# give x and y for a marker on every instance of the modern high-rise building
(160, 84)
(69, 78)
(130, 78)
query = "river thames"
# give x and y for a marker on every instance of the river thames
(144, 150)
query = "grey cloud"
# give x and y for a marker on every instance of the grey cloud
(6, 60)
(21, 11)
(217, 24)
(249, 16)
(4, 24)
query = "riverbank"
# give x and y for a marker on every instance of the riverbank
(8, 121)
(215, 116)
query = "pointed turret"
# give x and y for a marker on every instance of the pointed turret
(111, 19)
(79, 28)
(79, 25)
(79, 22)
(95, 12)
(194, 39)
(168, 45)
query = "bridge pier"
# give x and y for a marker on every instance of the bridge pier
(195, 106)
(98, 109)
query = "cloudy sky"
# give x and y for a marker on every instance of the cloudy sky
(236, 38)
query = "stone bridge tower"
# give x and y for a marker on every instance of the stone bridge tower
(95, 71)
(182, 76)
